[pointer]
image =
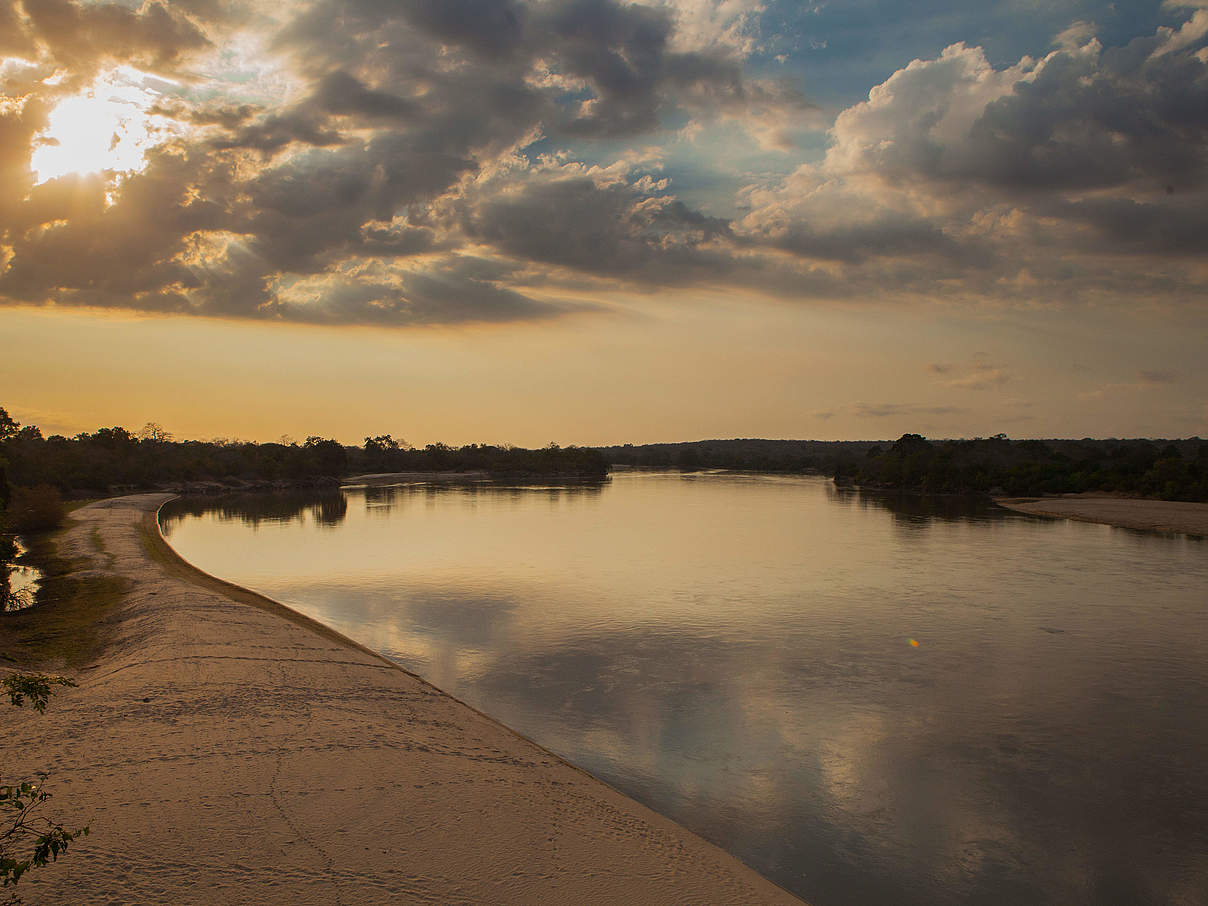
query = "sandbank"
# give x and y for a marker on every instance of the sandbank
(1124, 512)
(225, 749)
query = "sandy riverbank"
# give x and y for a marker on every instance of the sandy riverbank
(1125, 512)
(227, 749)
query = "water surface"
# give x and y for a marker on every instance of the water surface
(736, 651)
(20, 580)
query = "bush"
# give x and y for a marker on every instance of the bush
(35, 509)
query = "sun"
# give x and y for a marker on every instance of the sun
(108, 128)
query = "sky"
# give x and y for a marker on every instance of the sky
(603, 221)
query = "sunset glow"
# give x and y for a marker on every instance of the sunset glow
(665, 219)
(108, 128)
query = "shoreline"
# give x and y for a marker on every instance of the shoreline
(223, 746)
(1135, 513)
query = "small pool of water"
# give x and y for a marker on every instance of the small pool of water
(23, 583)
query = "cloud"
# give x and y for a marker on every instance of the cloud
(1076, 36)
(1159, 376)
(888, 410)
(1080, 173)
(362, 152)
(980, 376)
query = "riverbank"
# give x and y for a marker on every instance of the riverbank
(225, 748)
(1123, 512)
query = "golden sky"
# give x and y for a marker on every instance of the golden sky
(596, 221)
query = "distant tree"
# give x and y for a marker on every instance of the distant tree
(8, 427)
(154, 432)
(113, 437)
(383, 443)
(325, 457)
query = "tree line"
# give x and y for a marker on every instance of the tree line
(996, 466)
(116, 459)
(1166, 469)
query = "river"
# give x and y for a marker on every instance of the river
(872, 699)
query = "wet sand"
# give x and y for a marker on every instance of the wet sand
(227, 749)
(1125, 512)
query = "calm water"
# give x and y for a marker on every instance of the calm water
(735, 652)
(22, 582)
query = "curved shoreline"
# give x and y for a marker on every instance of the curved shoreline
(1137, 513)
(226, 747)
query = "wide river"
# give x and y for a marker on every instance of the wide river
(869, 699)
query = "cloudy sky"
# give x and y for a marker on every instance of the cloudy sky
(597, 221)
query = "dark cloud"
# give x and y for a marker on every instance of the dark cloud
(1079, 119)
(1089, 122)
(345, 95)
(611, 229)
(1160, 226)
(82, 34)
(891, 236)
(274, 132)
(490, 28)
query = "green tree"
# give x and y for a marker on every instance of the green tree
(27, 839)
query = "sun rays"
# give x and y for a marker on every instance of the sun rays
(107, 128)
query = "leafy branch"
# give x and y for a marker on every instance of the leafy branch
(22, 830)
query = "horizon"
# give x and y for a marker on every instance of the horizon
(292, 439)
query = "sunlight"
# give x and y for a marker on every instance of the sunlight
(107, 128)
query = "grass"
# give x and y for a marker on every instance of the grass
(66, 627)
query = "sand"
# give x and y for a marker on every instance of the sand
(225, 749)
(1125, 512)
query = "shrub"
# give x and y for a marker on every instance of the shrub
(35, 509)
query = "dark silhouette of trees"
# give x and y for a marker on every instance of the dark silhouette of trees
(1175, 470)
(112, 459)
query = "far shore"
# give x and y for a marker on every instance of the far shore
(1142, 514)
(224, 748)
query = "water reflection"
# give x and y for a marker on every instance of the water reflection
(19, 582)
(253, 510)
(733, 651)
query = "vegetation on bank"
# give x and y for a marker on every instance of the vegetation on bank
(1171, 470)
(115, 459)
(748, 454)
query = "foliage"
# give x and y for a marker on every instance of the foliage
(38, 839)
(384, 454)
(794, 456)
(37, 509)
(114, 460)
(37, 687)
(1173, 470)
(996, 465)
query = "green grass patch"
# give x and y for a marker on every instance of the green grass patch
(67, 626)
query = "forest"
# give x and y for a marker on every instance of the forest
(114, 460)
(993, 466)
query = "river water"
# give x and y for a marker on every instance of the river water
(870, 699)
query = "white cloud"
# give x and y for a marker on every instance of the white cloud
(720, 25)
